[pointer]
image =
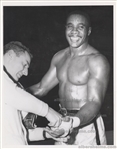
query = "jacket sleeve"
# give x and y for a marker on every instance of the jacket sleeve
(22, 100)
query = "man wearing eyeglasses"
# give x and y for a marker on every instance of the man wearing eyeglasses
(82, 74)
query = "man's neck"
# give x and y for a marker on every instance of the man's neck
(79, 51)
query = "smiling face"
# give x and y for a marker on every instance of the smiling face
(19, 65)
(77, 30)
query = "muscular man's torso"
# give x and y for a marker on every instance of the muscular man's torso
(73, 74)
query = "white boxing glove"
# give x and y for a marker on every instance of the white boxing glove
(65, 127)
(76, 121)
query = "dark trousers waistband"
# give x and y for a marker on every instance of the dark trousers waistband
(72, 111)
(66, 112)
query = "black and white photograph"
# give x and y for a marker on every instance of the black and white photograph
(58, 75)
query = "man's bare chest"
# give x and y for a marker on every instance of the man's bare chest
(74, 70)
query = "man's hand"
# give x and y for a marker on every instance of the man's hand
(56, 135)
(53, 117)
(64, 129)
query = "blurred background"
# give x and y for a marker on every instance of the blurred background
(42, 30)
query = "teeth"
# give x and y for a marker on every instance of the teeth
(74, 39)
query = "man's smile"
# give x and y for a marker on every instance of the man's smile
(75, 39)
(19, 75)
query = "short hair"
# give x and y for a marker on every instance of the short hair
(17, 47)
(81, 13)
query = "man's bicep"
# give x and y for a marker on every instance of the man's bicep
(95, 90)
(50, 79)
(47, 82)
(98, 80)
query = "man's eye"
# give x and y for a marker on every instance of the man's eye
(69, 27)
(25, 65)
(81, 27)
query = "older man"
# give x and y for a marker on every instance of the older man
(17, 102)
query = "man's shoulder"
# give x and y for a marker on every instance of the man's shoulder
(60, 54)
(98, 60)
(95, 55)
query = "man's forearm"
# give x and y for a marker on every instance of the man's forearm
(37, 90)
(24, 101)
(88, 112)
(32, 89)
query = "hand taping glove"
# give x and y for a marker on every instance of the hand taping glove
(53, 117)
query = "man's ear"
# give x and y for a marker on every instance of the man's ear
(11, 54)
(89, 31)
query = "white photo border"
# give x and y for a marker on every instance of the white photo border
(66, 3)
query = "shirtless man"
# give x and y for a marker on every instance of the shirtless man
(82, 73)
